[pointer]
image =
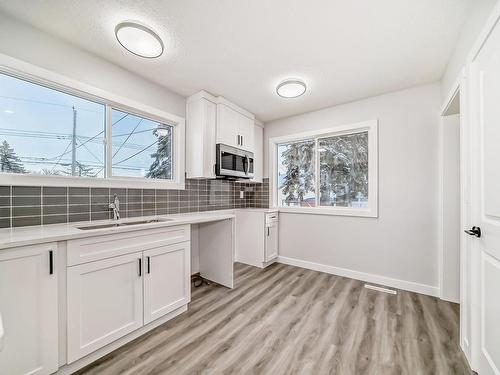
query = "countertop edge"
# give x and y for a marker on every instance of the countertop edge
(43, 235)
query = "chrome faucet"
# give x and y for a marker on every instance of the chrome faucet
(115, 206)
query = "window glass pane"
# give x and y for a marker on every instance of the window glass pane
(344, 170)
(296, 174)
(141, 147)
(47, 132)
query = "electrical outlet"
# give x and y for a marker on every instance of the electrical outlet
(242, 194)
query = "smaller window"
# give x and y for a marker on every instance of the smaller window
(141, 147)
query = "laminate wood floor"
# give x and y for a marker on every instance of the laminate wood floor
(288, 320)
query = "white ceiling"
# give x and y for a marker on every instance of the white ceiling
(344, 49)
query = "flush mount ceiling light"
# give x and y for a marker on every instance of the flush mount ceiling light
(291, 88)
(139, 39)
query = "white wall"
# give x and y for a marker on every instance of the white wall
(26, 43)
(402, 242)
(450, 281)
(477, 13)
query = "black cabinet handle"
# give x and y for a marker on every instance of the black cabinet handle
(149, 264)
(51, 262)
(140, 267)
(267, 231)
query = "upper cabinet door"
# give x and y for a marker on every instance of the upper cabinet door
(167, 283)
(29, 311)
(200, 138)
(104, 302)
(246, 132)
(228, 123)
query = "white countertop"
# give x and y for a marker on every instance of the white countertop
(22, 236)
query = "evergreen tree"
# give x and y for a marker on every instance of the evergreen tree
(344, 169)
(9, 161)
(162, 165)
(299, 177)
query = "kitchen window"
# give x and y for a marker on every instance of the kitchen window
(55, 135)
(331, 171)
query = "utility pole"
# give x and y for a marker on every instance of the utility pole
(73, 145)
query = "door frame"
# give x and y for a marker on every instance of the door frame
(459, 87)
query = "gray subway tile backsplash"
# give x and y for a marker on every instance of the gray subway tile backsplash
(32, 205)
(26, 221)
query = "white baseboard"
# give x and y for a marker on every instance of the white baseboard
(363, 276)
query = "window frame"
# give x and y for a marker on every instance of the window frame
(50, 80)
(371, 127)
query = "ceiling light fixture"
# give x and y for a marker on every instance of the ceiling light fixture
(139, 39)
(291, 88)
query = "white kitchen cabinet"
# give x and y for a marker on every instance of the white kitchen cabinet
(228, 126)
(234, 128)
(105, 302)
(256, 237)
(201, 123)
(271, 247)
(118, 283)
(211, 120)
(167, 284)
(29, 310)
(258, 153)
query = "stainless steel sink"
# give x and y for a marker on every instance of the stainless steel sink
(121, 224)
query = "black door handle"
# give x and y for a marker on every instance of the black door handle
(475, 231)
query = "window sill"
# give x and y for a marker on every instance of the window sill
(70, 181)
(329, 211)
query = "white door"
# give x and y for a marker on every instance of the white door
(227, 126)
(271, 241)
(167, 284)
(104, 302)
(29, 311)
(485, 189)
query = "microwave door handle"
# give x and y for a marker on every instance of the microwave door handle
(247, 165)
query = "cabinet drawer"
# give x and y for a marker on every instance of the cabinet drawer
(271, 217)
(111, 245)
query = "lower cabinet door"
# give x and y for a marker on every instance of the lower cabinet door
(28, 311)
(104, 302)
(167, 284)
(271, 241)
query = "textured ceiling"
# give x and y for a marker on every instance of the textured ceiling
(344, 50)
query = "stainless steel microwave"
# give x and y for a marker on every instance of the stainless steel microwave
(233, 162)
